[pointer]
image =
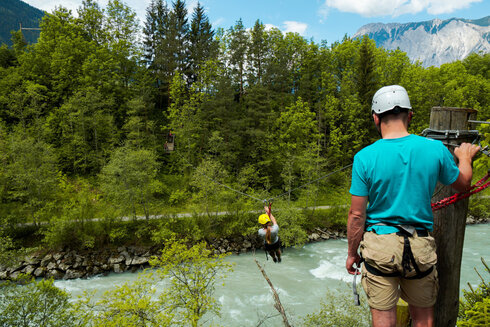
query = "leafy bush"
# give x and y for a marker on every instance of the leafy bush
(474, 307)
(34, 304)
(338, 310)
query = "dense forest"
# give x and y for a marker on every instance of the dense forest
(100, 119)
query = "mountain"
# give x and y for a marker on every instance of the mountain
(16, 12)
(432, 42)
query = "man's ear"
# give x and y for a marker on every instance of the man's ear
(410, 116)
(376, 119)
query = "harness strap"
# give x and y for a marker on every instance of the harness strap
(407, 257)
(377, 272)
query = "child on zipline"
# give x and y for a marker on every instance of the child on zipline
(269, 232)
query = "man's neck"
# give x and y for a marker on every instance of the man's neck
(394, 129)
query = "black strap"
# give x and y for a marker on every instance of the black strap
(407, 259)
(377, 272)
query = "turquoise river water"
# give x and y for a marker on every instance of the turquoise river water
(302, 279)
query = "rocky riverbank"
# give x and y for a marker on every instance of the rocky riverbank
(70, 264)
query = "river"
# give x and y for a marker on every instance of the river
(302, 279)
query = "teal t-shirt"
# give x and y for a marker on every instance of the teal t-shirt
(399, 176)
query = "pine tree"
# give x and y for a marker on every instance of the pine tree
(238, 47)
(257, 53)
(202, 45)
(366, 82)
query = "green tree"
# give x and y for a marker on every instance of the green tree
(192, 273)
(238, 47)
(83, 132)
(296, 140)
(129, 180)
(132, 305)
(367, 83)
(209, 191)
(34, 304)
(31, 177)
(202, 45)
(257, 53)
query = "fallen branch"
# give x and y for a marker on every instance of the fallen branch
(277, 304)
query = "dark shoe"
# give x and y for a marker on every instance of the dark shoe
(279, 259)
(274, 258)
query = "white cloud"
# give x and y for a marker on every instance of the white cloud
(268, 27)
(373, 8)
(295, 27)
(49, 5)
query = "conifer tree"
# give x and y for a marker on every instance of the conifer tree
(257, 53)
(202, 45)
(238, 47)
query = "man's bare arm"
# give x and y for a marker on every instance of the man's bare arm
(355, 230)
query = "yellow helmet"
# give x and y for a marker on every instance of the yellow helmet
(264, 219)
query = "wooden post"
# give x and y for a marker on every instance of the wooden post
(449, 224)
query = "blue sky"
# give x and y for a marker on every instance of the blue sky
(321, 20)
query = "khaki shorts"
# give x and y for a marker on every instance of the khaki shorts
(384, 252)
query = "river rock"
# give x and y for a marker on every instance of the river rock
(116, 259)
(118, 268)
(28, 270)
(314, 237)
(73, 274)
(64, 266)
(15, 274)
(139, 261)
(247, 244)
(47, 258)
(34, 260)
(54, 273)
(39, 272)
(51, 266)
(58, 256)
(3, 274)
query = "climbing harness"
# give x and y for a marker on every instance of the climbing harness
(267, 245)
(408, 259)
(477, 187)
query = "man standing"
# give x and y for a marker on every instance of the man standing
(390, 217)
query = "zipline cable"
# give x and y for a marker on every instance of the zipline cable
(255, 198)
(310, 182)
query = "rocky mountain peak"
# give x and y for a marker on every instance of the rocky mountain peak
(432, 42)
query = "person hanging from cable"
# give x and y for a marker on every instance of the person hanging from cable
(270, 233)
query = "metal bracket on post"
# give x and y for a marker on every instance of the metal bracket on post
(446, 135)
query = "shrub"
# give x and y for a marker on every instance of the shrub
(34, 304)
(338, 310)
(474, 307)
